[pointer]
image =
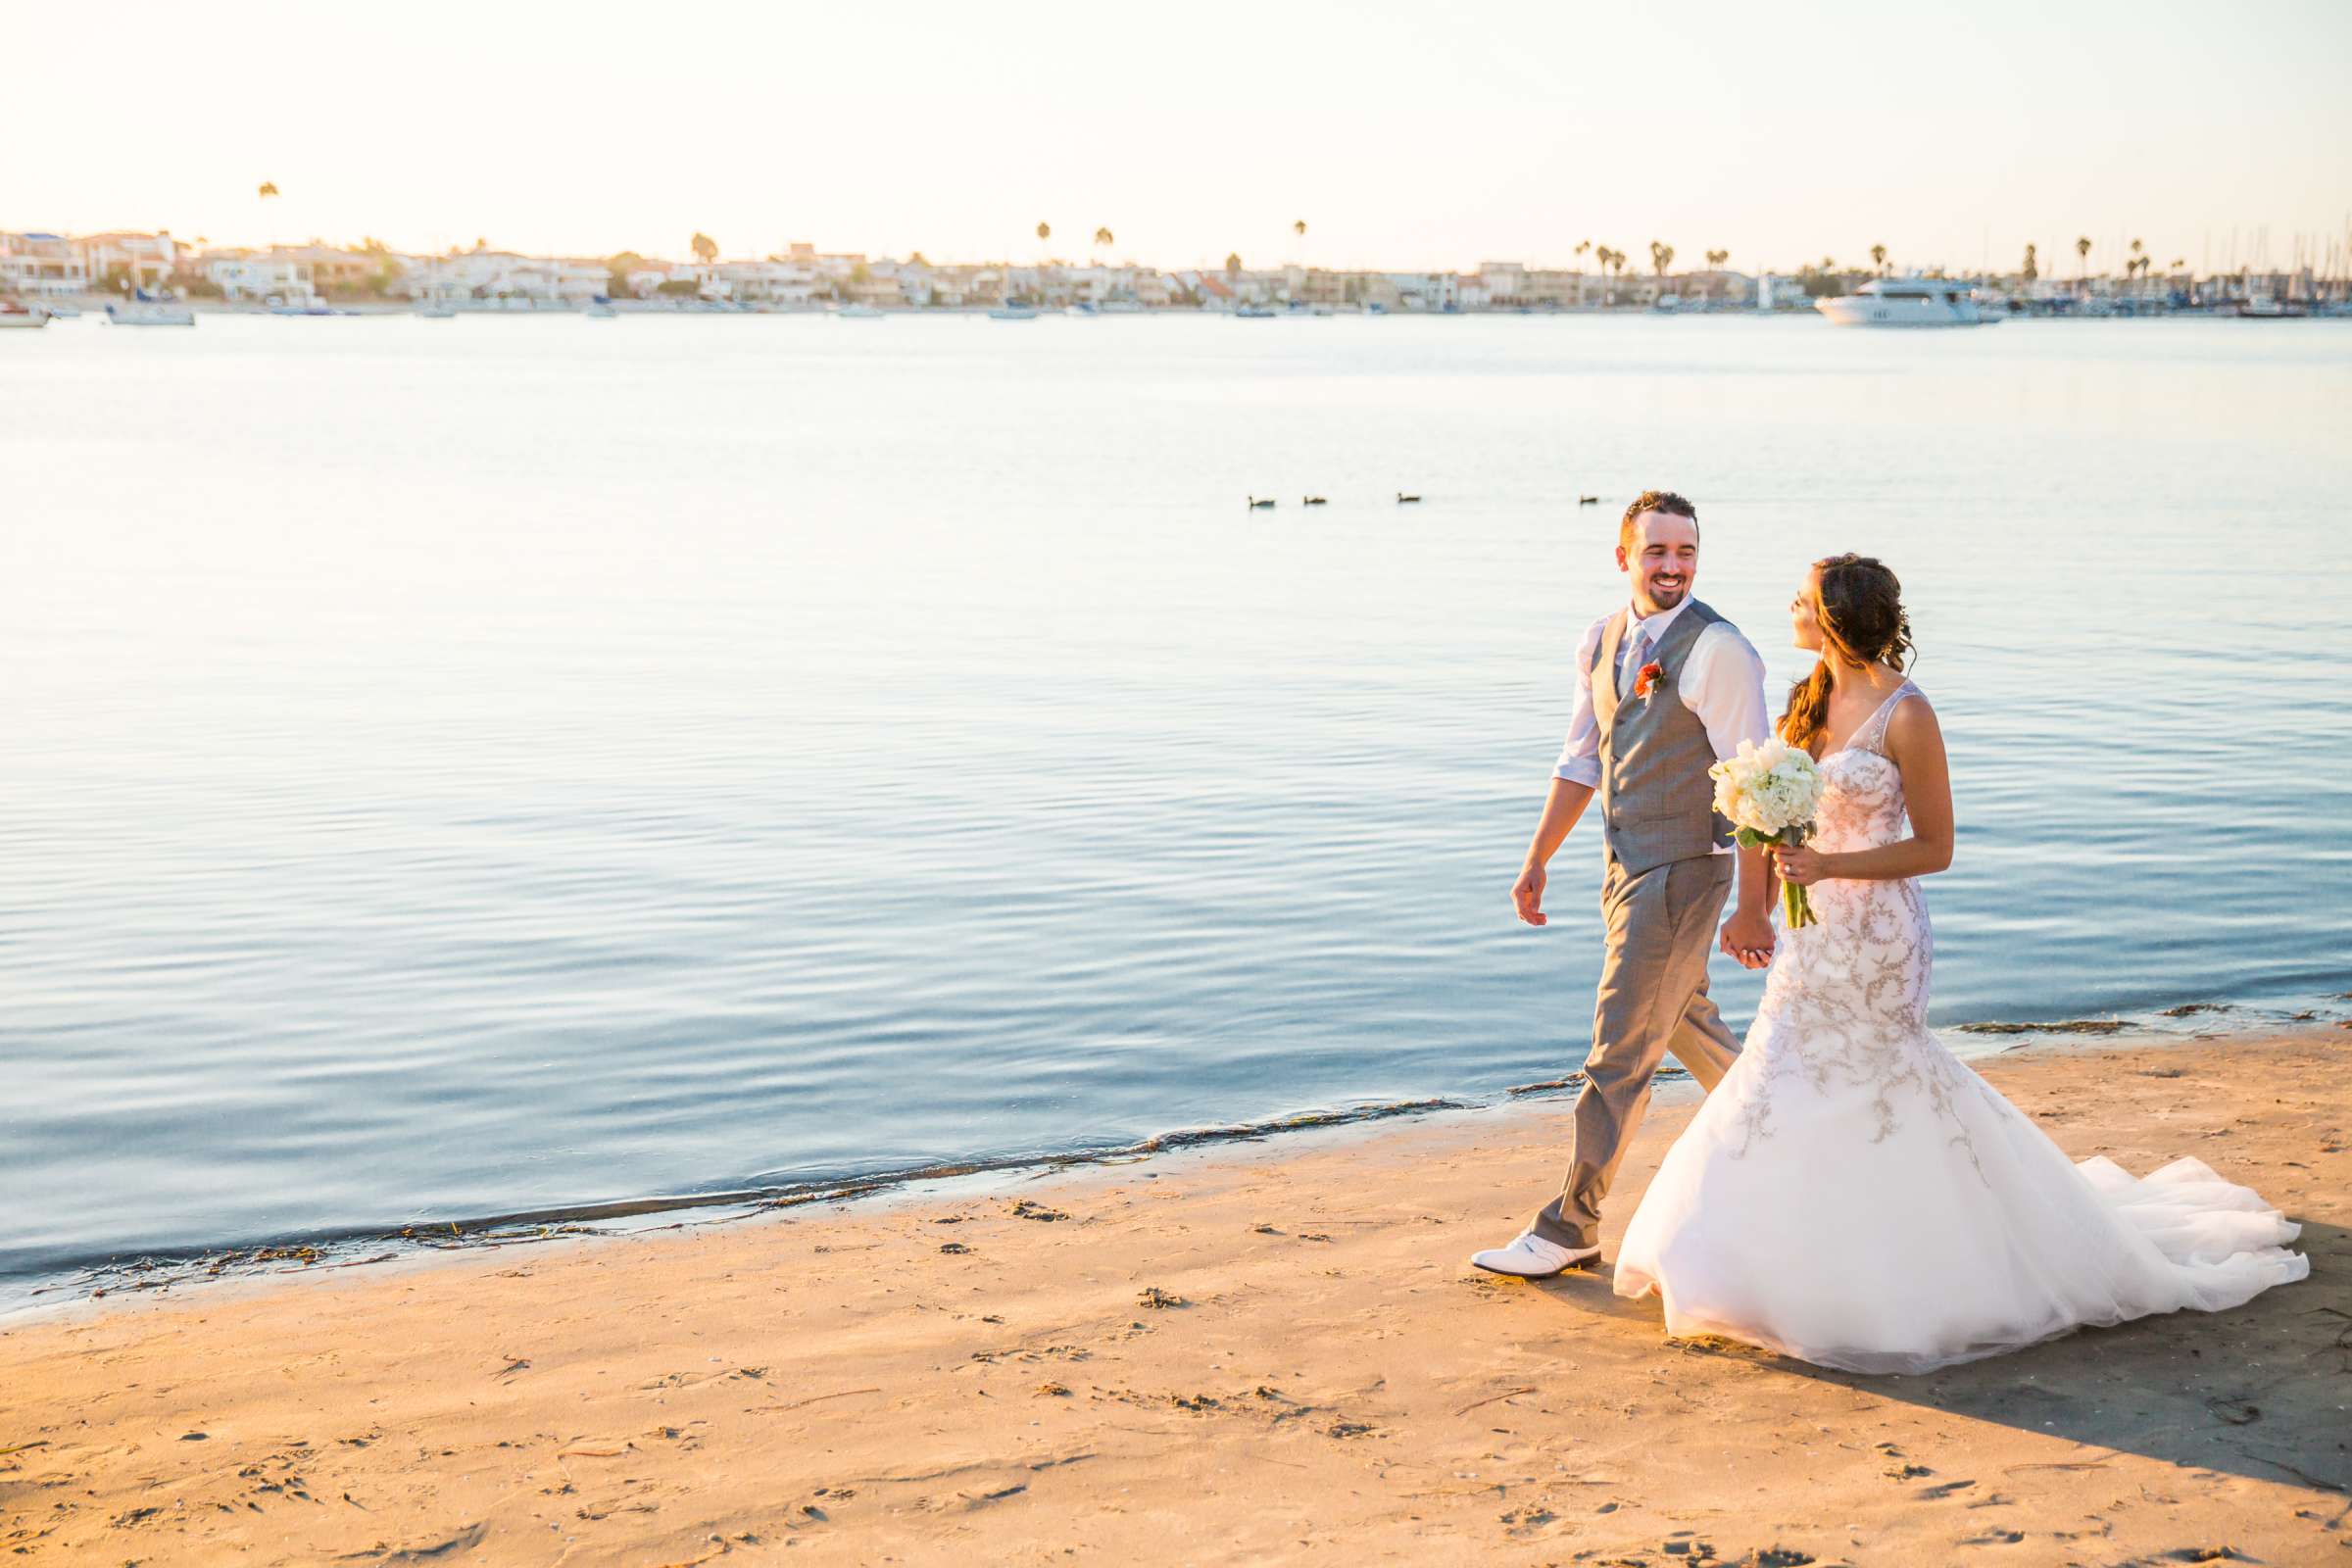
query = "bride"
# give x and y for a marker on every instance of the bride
(1850, 1194)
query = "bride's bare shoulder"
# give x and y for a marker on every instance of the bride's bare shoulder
(1913, 722)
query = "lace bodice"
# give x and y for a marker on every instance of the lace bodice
(1862, 804)
(1846, 999)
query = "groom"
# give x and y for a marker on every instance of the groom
(1663, 688)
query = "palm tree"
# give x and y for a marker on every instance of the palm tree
(2138, 263)
(1661, 255)
(2082, 252)
(1581, 246)
(1610, 258)
(1715, 261)
(705, 248)
(1878, 257)
(1233, 263)
(269, 188)
(1045, 232)
(1102, 236)
(2032, 269)
(1299, 228)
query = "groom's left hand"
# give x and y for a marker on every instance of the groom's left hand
(1747, 938)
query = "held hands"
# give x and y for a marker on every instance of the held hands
(1747, 938)
(1527, 895)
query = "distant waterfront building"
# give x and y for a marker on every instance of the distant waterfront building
(1214, 292)
(1552, 288)
(1716, 286)
(1498, 285)
(245, 276)
(959, 285)
(644, 281)
(144, 260)
(331, 266)
(41, 264)
(1426, 291)
(769, 282)
(505, 276)
(876, 282)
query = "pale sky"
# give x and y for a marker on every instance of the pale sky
(1408, 136)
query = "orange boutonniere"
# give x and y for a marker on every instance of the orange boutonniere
(1647, 678)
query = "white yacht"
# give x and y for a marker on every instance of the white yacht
(1907, 302)
(2268, 308)
(12, 313)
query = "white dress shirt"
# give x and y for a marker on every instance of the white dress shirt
(1722, 682)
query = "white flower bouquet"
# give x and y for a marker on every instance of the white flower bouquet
(1768, 793)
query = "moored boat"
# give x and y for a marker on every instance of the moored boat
(15, 314)
(2268, 308)
(145, 310)
(1907, 302)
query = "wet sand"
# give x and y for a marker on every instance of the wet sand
(1255, 1353)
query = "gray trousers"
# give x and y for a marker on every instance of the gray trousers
(1653, 1000)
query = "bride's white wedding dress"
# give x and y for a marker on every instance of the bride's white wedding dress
(1854, 1196)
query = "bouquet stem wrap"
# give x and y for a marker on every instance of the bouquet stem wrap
(1796, 904)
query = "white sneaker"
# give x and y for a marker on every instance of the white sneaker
(1532, 1257)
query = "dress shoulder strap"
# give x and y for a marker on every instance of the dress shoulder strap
(1873, 734)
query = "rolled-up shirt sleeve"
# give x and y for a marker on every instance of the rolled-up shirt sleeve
(1580, 755)
(1722, 683)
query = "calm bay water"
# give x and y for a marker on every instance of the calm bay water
(463, 767)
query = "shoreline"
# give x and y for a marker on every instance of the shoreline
(34, 1292)
(1212, 1354)
(95, 305)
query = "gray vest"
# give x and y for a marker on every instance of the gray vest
(1657, 804)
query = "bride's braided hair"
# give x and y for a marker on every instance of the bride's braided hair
(1859, 609)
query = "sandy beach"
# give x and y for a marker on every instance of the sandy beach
(1261, 1354)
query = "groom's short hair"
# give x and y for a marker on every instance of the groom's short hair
(1654, 501)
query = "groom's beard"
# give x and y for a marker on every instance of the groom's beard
(1666, 596)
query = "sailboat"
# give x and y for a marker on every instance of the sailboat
(143, 309)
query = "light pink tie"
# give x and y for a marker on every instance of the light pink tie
(1636, 654)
